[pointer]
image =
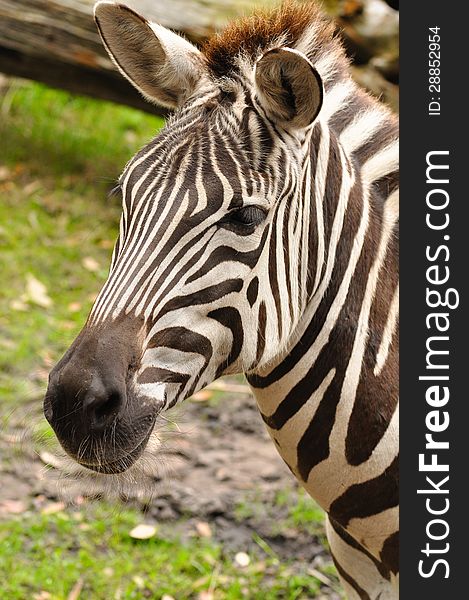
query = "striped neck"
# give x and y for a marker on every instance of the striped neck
(329, 399)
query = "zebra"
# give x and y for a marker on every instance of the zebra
(259, 234)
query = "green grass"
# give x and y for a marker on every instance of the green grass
(51, 553)
(300, 512)
(57, 133)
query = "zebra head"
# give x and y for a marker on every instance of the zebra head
(215, 260)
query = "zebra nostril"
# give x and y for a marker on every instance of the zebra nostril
(102, 406)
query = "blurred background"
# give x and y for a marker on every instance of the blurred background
(222, 517)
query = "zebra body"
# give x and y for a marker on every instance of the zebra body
(258, 235)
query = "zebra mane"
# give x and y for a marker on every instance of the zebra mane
(300, 26)
(351, 112)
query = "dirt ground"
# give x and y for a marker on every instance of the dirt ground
(220, 467)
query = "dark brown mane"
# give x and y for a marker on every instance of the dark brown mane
(254, 34)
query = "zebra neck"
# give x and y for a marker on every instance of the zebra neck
(330, 401)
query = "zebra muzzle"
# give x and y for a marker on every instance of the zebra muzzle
(92, 406)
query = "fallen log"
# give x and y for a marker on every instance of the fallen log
(56, 41)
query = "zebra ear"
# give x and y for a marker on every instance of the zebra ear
(162, 65)
(288, 87)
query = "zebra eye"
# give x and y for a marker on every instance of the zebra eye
(248, 216)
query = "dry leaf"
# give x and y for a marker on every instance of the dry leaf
(52, 508)
(205, 595)
(51, 459)
(166, 597)
(75, 591)
(202, 396)
(203, 529)
(242, 559)
(13, 507)
(18, 305)
(32, 187)
(143, 532)
(74, 307)
(322, 578)
(139, 581)
(90, 264)
(5, 173)
(42, 596)
(36, 292)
